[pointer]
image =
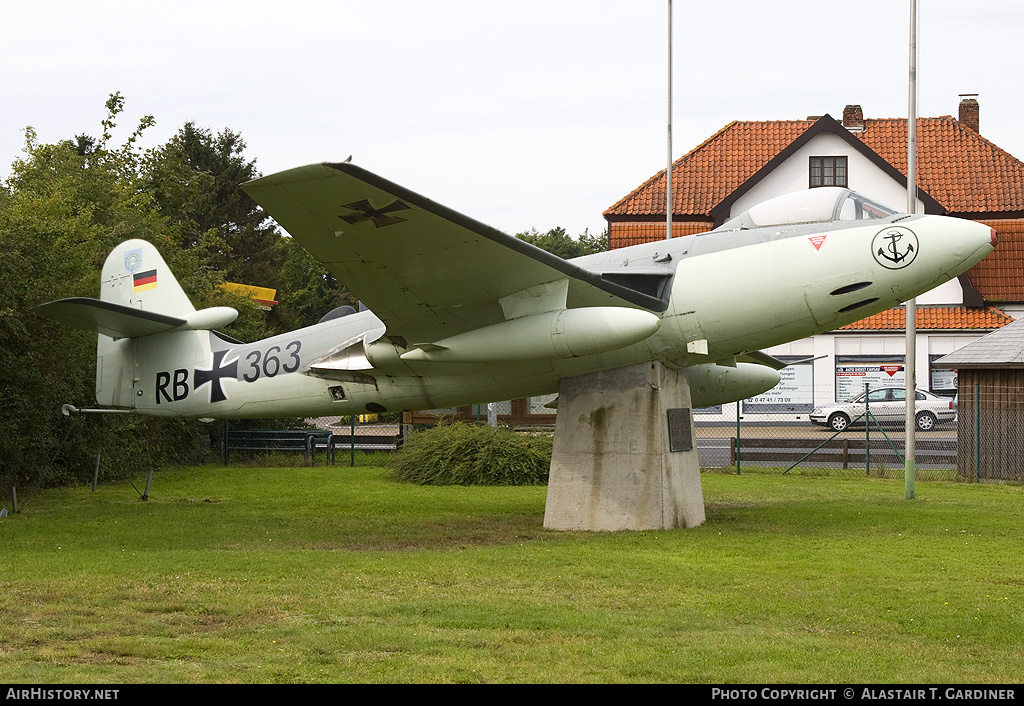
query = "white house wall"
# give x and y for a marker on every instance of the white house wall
(952, 292)
(793, 175)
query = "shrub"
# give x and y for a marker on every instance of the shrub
(466, 454)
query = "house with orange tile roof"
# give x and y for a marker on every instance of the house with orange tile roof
(960, 174)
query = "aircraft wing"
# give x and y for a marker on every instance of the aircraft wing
(426, 271)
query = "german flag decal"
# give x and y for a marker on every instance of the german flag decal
(145, 280)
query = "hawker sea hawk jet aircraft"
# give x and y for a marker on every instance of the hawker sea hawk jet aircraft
(460, 313)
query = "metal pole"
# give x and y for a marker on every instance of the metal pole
(668, 170)
(977, 433)
(910, 367)
(96, 473)
(149, 480)
(224, 448)
(867, 430)
(737, 437)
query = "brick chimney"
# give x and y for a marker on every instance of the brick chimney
(853, 118)
(969, 111)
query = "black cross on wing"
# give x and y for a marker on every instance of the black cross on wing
(364, 211)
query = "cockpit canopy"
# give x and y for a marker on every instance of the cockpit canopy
(827, 203)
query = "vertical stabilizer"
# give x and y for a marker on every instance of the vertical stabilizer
(134, 275)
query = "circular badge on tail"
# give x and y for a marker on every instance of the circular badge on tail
(132, 260)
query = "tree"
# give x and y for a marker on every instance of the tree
(62, 210)
(557, 242)
(307, 290)
(196, 179)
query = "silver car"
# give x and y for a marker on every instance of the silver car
(889, 406)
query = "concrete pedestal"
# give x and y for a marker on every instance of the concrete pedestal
(612, 467)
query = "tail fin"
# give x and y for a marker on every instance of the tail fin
(139, 296)
(135, 275)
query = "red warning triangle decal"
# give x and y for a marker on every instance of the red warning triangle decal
(817, 241)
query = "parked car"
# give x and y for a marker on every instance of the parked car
(889, 406)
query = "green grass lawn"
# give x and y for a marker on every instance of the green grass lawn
(258, 575)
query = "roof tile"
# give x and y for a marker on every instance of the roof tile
(934, 318)
(956, 166)
(625, 234)
(964, 172)
(1000, 276)
(1004, 348)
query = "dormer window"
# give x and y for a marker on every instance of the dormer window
(828, 171)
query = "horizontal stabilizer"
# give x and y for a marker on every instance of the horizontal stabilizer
(114, 320)
(763, 358)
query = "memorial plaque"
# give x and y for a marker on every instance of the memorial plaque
(679, 430)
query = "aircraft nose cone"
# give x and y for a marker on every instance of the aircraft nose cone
(984, 239)
(947, 247)
(970, 243)
(966, 242)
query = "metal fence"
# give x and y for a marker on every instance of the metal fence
(315, 441)
(980, 438)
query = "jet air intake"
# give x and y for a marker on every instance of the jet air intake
(567, 333)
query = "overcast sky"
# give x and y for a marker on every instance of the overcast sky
(520, 113)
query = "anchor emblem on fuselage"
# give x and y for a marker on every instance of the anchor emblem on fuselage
(894, 248)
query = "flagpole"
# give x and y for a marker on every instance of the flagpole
(668, 170)
(910, 366)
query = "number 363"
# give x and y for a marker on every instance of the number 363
(273, 361)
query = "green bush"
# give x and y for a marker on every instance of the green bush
(127, 445)
(465, 454)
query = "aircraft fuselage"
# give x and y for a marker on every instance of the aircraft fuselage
(731, 292)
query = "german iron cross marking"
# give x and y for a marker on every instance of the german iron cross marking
(364, 211)
(214, 374)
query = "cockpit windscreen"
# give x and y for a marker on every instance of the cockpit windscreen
(818, 205)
